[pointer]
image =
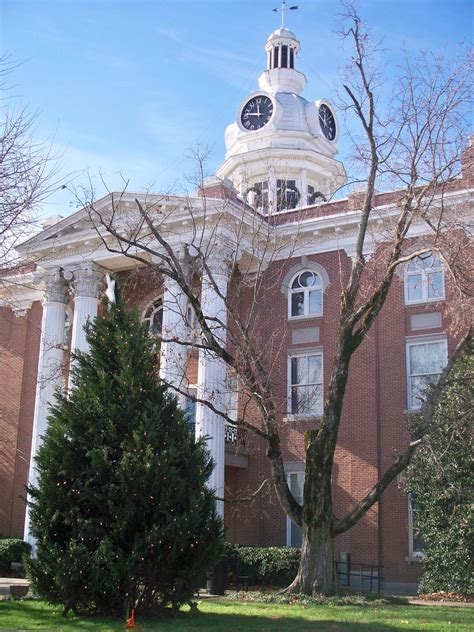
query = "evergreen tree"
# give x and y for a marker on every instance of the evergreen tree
(440, 480)
(121, 514)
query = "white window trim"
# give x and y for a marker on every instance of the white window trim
(310, 266)
(302, 353)
(306, 291)
(290, 291)
(414, 341)
(424, 285)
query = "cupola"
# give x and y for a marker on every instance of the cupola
(282, 49)
(281, 148)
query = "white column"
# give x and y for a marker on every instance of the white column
(303, 188)
(173, 355)
(86, 283)
(272, 191)
(50, 364)
(242, 186)
(212, 372)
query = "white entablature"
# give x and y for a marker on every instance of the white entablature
(281, 149)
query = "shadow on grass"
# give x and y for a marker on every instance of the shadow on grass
(220, 616)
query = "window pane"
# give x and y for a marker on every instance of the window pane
(292, 58)
(294, 400)
(315, 302)
(296, 538)
(314, 369)
(435, 284)
(306, 400)
(427, 358)
(419, 387)
(284, 56)
(297, 304)
(426, 261)
(306, 279)
(415, 287)
(296, 486)
(419, 544)
(294, 370)
(190, 415)
(302, 370)
(156, 322)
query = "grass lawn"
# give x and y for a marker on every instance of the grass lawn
(252, 617)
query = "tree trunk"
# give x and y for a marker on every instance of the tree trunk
(316, 573)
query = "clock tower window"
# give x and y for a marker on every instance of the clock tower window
(257, 196)
(288, 195)
(284, 56)
(315, 196)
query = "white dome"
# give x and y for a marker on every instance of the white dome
(278, 33)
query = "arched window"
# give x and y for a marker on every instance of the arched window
(154, 316)
(305, 296)
(424, 279)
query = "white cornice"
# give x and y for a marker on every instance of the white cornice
(184, 216)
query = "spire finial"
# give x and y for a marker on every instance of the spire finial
(282, 10)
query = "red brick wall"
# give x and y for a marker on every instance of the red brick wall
(19, 346)
(373, 424)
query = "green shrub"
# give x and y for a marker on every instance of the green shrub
(276, 566)
(344, 599)
(12, 550)
(441, 481)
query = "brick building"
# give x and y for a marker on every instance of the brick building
(262, 221)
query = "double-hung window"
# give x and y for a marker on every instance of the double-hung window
(425, 361)
(305, 384)
(424, 279)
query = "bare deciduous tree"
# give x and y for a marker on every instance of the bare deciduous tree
(416, 146)
(27, 172)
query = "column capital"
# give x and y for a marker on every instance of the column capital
(86, 280)
(219, 260)
(54, 284)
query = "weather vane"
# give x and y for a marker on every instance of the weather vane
(282, 10)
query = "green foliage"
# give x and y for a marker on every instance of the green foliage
(275, 566)
(440, 480)
(349, 599)
(121, 516)
(12, 550)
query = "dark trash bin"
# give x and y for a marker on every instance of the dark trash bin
(218, 578)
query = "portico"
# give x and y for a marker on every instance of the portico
(80, 287)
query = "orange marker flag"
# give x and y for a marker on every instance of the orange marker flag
(131, 622)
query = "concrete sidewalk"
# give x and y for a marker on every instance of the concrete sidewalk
(6, 582)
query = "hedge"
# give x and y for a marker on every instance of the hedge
(275, 566)
(12, 550)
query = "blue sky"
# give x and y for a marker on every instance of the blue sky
(129, 87)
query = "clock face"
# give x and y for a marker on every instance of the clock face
(327, 122)
(256, 112)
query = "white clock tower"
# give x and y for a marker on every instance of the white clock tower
(281, 149)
